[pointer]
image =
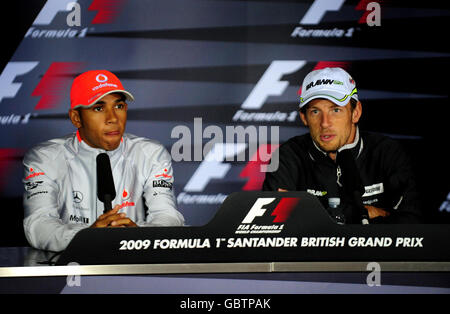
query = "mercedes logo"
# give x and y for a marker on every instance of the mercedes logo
(77, 196)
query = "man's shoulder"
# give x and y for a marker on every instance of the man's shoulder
(379, 140)
(297, 143)
(143, 145)
(384, 147)
(49, 150)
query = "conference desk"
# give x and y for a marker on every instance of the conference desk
(25, 270)
(305, 252)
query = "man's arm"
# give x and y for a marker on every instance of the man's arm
(158, 192)
(284, 178)
(401, 185)
(42, 224)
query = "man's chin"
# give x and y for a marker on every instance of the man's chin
(328, 148)
(111, 145)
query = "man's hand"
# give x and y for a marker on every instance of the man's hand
(376, 212)
(372, 210)
(113, 219)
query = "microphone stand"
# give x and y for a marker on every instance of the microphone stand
(352, 180)
(107, 203)
(364, 214)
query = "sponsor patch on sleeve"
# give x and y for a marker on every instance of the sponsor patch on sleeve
(162, 184)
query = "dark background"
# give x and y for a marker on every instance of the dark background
(202, 58)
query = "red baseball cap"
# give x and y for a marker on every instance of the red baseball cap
(89, 87)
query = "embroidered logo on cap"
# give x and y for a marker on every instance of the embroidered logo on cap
(101, 78)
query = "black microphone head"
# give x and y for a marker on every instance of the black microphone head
(105, 181)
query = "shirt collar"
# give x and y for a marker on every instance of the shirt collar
(82, 146)
(356, 147)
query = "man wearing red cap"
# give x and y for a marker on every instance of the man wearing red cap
(60, 174)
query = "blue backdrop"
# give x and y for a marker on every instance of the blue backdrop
(228, 64)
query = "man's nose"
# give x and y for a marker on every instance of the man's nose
(111, 116)
(325, 122)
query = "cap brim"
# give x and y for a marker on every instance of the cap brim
(339, 99)
(128, 95)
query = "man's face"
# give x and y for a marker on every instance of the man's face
(330, 125)
(103, 124)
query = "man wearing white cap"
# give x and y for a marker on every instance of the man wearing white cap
(369, 174)
(60, 179)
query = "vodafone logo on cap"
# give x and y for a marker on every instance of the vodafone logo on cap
(101, 78)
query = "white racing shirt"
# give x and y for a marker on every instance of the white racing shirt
(60, 182)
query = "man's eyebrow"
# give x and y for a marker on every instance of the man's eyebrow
(102, 102)
(332, 106)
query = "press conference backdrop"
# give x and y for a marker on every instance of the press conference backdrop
(202, 66)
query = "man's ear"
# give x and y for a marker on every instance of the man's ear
(303, 118)
(357, 112)
(74, 116)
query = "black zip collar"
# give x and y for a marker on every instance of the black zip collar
(316, 154)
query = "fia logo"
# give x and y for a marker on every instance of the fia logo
(259, 211)
(281, 212)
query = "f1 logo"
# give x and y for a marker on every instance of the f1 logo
(212, 167)
(281, 212)
(8, 88)
(270, 83)
(318, 10)
(51, 8)
(107, 11)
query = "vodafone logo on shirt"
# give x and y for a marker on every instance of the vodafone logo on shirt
(34, 173)
(126, 195)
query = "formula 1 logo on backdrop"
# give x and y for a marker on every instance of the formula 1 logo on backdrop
(215, 167)
(55, 83)
(317, 11)
(212, 167)
(8, 84)
(107, 12)
(271, 84)
(236, 143)
(51, 88)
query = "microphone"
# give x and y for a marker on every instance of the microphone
(106, 190)
(352, 182)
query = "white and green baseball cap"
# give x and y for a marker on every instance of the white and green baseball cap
(334, 84)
